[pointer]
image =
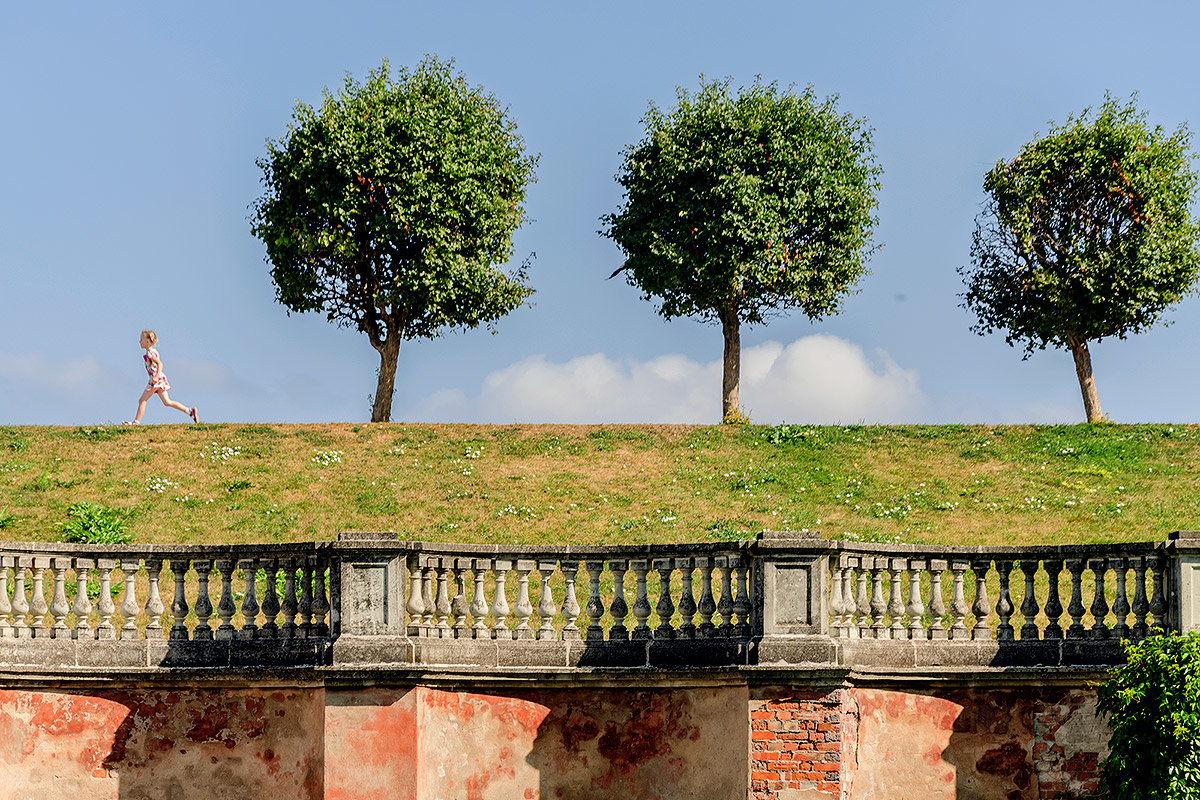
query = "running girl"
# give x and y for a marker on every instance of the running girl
(158, 384)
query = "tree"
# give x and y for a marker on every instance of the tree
(740, 207)
(389, 208)
(1084, 235)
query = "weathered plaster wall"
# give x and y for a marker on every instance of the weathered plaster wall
(162, 744)
(371, 744)
(422, 743)
(562, 743)
(976, 744)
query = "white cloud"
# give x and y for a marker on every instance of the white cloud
(37, 372)
(815, 379)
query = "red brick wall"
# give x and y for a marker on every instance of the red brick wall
(1069, 744)
(799, 741)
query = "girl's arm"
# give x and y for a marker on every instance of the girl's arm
(157, 365)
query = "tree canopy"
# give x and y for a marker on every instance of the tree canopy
(391, 206)
(1085, 234)
(740, 206)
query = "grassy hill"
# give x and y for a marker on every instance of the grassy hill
(533, 484)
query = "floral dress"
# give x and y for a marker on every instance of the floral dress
(151, 359)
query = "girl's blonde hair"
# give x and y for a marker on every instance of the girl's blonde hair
(151, 336)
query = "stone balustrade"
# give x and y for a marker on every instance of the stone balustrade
(782, 599)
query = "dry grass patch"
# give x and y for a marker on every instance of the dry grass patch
(595, 484)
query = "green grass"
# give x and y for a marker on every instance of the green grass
(557, 484)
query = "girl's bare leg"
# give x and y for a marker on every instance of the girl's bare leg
(169, 403)
(142, 405)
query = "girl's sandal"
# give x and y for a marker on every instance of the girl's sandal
(194, 415)
(134, 422)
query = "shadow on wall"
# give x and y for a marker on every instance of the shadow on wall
(231, 743)
(978, 744)
(684, 742)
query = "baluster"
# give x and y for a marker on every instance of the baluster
(523, 608)
(416, 603)
(1099, 608)
(459, 605)
(1054, 606)
(546, 607)
(915, 608)
(641, 603)
(320, 599)
(428, 580)
(20, 605)
(270, 603)
(225, 607)
(741, 604)
(249, 568)
(1120, 628)
(619, 609)
(1141, 606)
(130, 606)
(291, 604)
(204, 608)
(83, 604)
(1075, 607)
(306, 596)
(836, 605)
(878, 606)
(442, 603)
(687, 600)
(1004, 606)
(863, 602)
(500, 609)
(154, 604)
(1158, 602)
(708, 605)
(479, 606)
(595, 605)
(937, 606)
(958, 603)
(666, 608)
(179, 604)
(59, 607)
(104, 603)
(1029, 603)
(981, 607)
(725, 604)
(897, 630)
(570, 606)
(6, 628)
(37, 599)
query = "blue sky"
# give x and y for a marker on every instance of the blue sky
(127, 170)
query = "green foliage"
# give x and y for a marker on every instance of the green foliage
(6, 519)
(92, 523)
(761, 201)
(1153, 703)
(1086, 233)
(389, 208)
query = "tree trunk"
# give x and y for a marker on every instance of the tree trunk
(389, 353)
(1087, 382)
(731, 328)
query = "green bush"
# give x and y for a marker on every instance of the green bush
(1153, 703)
(96, 524)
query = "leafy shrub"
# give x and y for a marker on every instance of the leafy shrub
(1153, 703)
(6, 519)
(91, 523)
(791, 433)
